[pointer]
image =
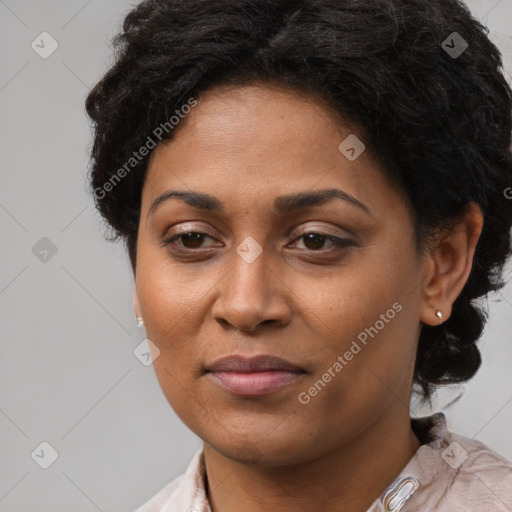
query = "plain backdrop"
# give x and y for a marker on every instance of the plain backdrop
(68, 375)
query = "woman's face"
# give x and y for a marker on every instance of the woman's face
(341, 305)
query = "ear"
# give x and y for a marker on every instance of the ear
(448, 264)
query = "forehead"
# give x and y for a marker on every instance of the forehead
(255, 142)
(246, 109)
(255, 121)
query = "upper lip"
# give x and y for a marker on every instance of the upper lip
(252, 364)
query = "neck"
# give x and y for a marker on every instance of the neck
(354, 474)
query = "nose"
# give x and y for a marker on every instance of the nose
(251, 295)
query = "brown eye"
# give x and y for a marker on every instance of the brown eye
(314, 240)
(189, 240)
(192, 240)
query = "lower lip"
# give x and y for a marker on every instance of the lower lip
(255, 383)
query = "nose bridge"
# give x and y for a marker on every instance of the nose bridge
(251, 276)
(250, 293)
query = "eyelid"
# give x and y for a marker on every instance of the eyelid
(321, 230)
(183, 230)
(170, 238)
(337, 241)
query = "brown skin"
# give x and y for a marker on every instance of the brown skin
(302, 300)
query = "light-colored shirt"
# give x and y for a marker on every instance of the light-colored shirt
(448, 473)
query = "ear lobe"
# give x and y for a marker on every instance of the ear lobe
(449, 264)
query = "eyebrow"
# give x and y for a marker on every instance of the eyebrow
(282, 204)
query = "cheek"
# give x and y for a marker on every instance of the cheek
(367, 315)
(360, 374)
(170, 310)
(371, 291)
(170, 298)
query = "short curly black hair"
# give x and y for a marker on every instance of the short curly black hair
(437, 115)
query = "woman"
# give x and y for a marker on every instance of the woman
(312, 195)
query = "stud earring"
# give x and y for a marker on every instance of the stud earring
(439, 314)
(140, 322)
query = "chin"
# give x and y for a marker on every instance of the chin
(263, 448)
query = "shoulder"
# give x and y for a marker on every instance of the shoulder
(454, 473)
(480, 476)
(185, 492)
(162, 497)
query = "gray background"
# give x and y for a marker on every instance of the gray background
(68, 375)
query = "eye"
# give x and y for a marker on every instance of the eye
(315, 241)
(312, 240)
(189, 239)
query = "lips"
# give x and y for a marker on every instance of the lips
(253, 364)
(253, 376)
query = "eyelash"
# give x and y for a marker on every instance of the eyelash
(339, 243)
